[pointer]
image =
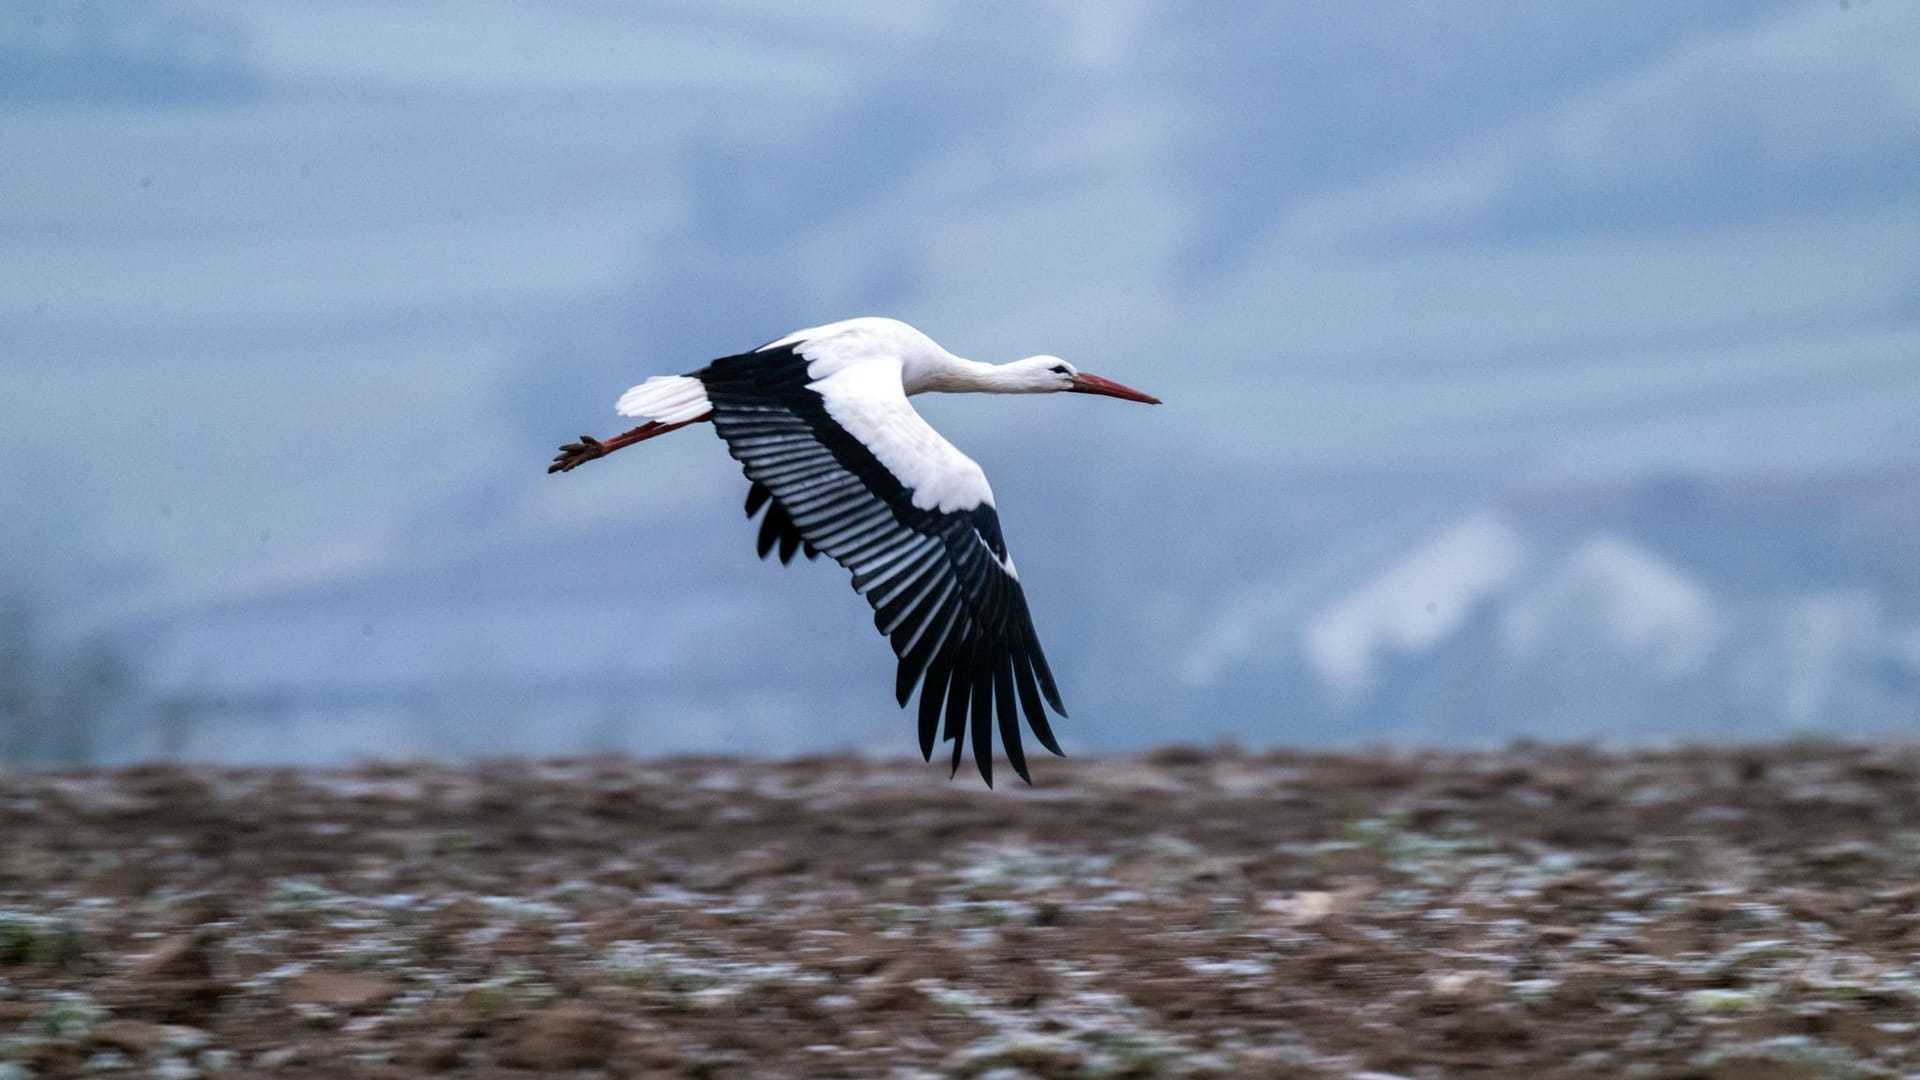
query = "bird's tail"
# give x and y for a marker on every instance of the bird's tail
(670, 399)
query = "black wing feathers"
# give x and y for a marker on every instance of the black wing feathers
(777, 527)
(940, 584)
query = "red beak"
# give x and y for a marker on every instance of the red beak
(1084, 383)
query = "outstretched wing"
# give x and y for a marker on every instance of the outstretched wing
(866, 481)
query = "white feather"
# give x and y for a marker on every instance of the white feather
(848, 343)
(866, 398)
(670, 399)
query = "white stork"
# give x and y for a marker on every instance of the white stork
(820, 423)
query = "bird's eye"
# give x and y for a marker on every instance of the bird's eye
(1061, 369)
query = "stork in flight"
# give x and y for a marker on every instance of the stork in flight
(843, 465)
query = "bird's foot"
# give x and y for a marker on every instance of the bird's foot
(576, 454)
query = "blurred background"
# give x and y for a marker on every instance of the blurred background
(1544, 372)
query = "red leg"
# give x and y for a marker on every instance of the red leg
(574, 455)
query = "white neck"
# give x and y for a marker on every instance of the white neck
(945, 373)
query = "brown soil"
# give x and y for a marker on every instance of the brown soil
(1727, 914)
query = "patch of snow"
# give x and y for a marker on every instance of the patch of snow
(1613, 589)
(1825, 630)
(1417, 602)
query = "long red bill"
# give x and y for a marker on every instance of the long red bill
(1084, 383)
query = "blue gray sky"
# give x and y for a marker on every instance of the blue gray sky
(279, 281)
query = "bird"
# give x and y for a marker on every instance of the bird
(842, 465)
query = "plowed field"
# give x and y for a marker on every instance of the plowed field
(1749, 912)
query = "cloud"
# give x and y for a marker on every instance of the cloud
(1808, 110)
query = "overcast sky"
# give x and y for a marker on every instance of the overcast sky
(274, 278)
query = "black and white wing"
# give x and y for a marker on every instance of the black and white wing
(863, 479)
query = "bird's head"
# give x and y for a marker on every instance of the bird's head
(1052, 375)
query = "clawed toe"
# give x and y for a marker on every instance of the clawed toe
(574, 454)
